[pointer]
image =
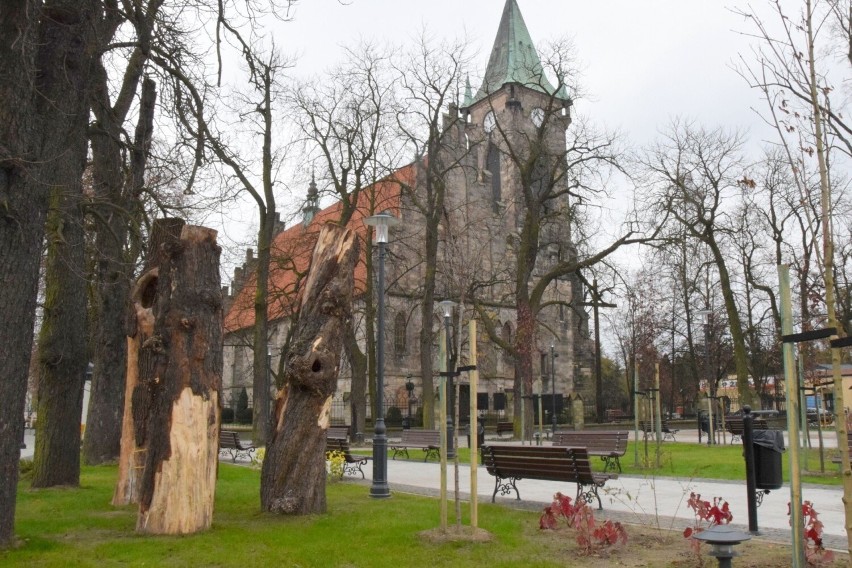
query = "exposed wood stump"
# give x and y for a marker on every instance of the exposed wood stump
(144, 295)
(176, 406)
(293, 475)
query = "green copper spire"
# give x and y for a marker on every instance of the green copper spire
(514, 58)
(468, 93)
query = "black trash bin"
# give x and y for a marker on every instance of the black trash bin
(768, 447)
(406, 423)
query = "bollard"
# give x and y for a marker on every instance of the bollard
(751, 474)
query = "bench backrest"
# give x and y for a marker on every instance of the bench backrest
(649, 425)
(734, 425)
(337, 445)
(229, 439)
(424, 437)
(538, 462)
(340, 432)
(608, 443)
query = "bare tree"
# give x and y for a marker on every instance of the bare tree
(431, 78)
(118, 180)
(345, 119)
(44, 61)
(695, 171)
(787, 66)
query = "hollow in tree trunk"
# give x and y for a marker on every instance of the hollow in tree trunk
(132, 457)
(176, 408)
(293, 476)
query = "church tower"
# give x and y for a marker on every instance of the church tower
(515, 124)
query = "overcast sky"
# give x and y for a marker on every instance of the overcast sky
(644, 61)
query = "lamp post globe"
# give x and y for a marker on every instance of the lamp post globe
(379, 488)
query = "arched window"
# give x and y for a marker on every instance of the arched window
(399, 333)
(492, 164)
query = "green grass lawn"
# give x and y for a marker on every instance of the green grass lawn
(78, 527)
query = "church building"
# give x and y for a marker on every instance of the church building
(488, 137)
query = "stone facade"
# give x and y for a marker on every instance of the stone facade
(479, 240)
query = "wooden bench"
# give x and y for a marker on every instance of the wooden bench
(609, 445)
(230, 443)
(504, 427)
(734, 426)
(510, 464)
(339, 432)
(352, 463)
(837, 460)
(649, 430)
(427, 440)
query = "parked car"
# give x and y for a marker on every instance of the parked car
(826, 416)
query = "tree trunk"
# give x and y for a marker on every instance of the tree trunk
(43, 60)
(114, 266)
(176, 408)
(141, 363)
(358, 392)
(62, 351)
(293, 476)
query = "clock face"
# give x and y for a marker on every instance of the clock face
(490, 122)
(537, 116)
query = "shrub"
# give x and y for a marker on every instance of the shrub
(336, 461)
(242, 400)
(815, 552)
(244, 416)
(394, 416)
(227, 415)
(591, 536)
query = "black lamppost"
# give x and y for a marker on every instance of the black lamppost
(409, 387)
(711, 395)
(553, 357)
(380, 488)
(447, 309)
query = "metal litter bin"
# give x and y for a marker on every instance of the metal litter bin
(768, 447)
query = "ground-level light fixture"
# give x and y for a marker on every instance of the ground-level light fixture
(722, 540)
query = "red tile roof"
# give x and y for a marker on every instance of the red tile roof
(292, 250)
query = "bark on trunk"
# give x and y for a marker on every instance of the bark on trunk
(165, 232)
(176, 408)
(43, 58)
(62, 351)
(293, 476)
(358, 366)
(120, 210)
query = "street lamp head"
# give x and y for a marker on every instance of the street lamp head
(381, 222)
(446, 307)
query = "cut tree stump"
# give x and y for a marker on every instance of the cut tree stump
(131, 460)
(293, 474)
(176, 403)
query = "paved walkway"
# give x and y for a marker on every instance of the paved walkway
(635, 499)
(632, 499)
